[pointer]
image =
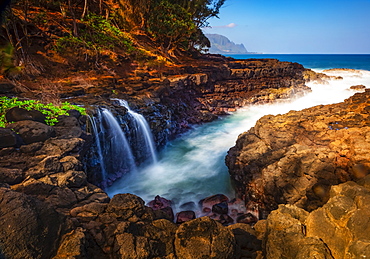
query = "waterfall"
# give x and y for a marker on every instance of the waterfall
(113, 149)
(99, 149)
(143, 136)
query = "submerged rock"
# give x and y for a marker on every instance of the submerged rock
(184, 216)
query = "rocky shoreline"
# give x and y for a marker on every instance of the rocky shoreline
(50, 206)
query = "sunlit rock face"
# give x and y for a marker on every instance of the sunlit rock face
(296, 157)
(336, 230)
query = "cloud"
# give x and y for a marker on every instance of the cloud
(230, 25)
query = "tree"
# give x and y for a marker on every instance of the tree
(171, 24)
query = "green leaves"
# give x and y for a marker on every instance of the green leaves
(50, 110)
(98, 34)
(171, 24)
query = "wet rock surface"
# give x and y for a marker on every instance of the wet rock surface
(294, 158)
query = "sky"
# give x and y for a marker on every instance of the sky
(296, 27)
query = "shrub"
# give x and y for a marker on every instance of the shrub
(50, 110)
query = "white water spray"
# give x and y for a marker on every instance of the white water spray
(142, 131)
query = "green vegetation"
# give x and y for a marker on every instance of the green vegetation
(50, 110)
(174, 25)
(98, 34)
(105, 34)
(7, 60)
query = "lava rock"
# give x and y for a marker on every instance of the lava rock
(127, 207)
(8, 138)
(184, 216)
(32, 131)
(29, 228)
(11, 176)
(19, 114)
(248, 218)
(207, 203)
(204, 238)
(357, 87)
(220, 208)
(159, 203)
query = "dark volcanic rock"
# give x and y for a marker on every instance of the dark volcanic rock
(184, 216)
(127, 206)
(204, 238)
(29, 228)
(11, 176)
(358, 87)
(296, 157)
(32, 131)
(8, 138)
(220, 208)
(19, 114)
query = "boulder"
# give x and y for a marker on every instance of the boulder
(184, 216)
(220, 208)
(358, 87)
(29, 228)
(8, 138)
(32, 131)
(339, 229)
(204, 238)
(128, 207)
(247, 243)
(207, 203)
(19, 114)
(343, 222)
(285, 236)
(68, 127)
(159, 203)
(72, 245)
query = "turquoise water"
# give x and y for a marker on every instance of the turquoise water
(318, 61)
(192, 167)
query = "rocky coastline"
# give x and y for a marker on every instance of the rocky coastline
(51, 207)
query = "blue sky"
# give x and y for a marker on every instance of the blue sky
(287, 26)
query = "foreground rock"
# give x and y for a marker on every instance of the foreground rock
(296, 157)
(337, 230)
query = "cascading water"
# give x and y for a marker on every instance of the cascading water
(99, 148)
(142, 132)
(192, 167)
(114, 151)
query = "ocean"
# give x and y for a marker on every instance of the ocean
(318, 61)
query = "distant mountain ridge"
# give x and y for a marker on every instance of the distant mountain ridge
(222, 45)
